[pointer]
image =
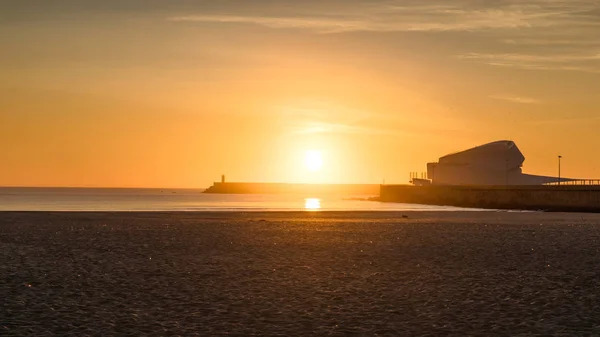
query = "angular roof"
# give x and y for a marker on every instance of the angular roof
(501, 155)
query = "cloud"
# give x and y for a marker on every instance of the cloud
(549, 35)
(552, 42)
(520, 58)
(386, 16)
(324, 25)
(516, 99)
(563, 121)
(581, 62)
(306, 127)
(323, 118)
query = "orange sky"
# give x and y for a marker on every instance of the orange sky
(174, 93)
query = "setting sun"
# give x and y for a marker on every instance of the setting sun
(314, 160)
(312, 204)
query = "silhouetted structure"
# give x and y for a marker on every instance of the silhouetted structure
(496, 163)
(564, 198)
(283, 188)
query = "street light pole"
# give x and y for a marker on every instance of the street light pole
(559, 157)
(506, 172)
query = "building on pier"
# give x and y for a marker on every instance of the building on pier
(496, 163)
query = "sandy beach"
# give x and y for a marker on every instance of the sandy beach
(299, 273)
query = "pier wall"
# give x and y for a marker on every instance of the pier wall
(549, 198)
(283, 188)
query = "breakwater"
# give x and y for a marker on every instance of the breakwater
(547, 198)
(283, 188)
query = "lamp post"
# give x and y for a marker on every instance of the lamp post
(506, 172)
(559, 157)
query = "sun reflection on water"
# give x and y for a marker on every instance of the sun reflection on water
(312, 204)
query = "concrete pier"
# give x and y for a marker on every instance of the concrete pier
(283, 188)
(547, 198)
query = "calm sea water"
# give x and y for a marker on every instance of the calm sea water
(93, 199)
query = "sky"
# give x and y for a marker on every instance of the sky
(174, 93)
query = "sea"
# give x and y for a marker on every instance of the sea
(156, 199)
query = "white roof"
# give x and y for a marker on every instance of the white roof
(501, 155)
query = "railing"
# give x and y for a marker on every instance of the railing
(578, 182)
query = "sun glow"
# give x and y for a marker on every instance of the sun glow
(312, 204)
(314, 160)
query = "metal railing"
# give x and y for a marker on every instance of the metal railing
(578, 182)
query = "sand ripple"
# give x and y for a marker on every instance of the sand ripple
(193, 274)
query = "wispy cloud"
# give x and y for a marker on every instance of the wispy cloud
(324, 119)
(563, 121)
(574, 42)
(389, 16)
(520, 58)
(516, 99)
(308, 127)
(325, 25)
(558, 35)
(582, 62)
(321, 118)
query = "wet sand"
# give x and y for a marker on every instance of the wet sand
(302, 273)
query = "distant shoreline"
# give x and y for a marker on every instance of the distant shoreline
(199, 189)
